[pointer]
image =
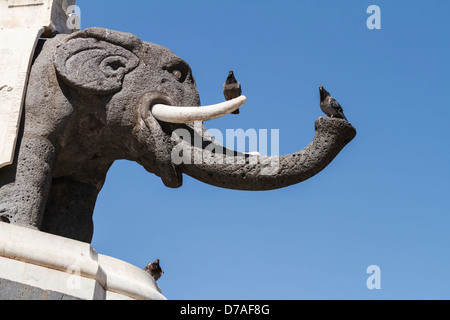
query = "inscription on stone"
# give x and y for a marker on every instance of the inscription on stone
(24, 3)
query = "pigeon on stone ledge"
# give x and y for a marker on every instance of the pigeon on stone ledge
(330, 106)
(4, 218)
(154, 269)
(232, 89)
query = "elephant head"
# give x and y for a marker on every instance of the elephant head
(97, 96)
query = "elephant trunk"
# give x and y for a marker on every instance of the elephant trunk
(248, 172)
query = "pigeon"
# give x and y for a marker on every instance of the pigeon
(153, 269)
(330, 106)
(232, 89)
(4, 218)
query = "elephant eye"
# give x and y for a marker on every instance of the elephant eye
(177, 74)
(179, 69)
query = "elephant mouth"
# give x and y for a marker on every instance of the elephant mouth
(163, 110)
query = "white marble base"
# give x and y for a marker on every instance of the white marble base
(70, 267)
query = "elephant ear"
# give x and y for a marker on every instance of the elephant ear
(96, 60)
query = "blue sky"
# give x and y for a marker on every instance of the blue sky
(384, 199)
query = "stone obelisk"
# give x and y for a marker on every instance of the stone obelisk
(22, 23)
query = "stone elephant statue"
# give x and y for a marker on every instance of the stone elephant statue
(96, 96)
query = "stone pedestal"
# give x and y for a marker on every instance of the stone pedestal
(39, 266)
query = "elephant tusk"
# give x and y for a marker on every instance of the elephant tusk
(179, 114)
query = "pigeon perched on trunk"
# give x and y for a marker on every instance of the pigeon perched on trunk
(153, 269)
(330, 106)
(232, 88)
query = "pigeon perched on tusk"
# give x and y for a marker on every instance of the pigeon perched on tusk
(232, 88)
(329, 105)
